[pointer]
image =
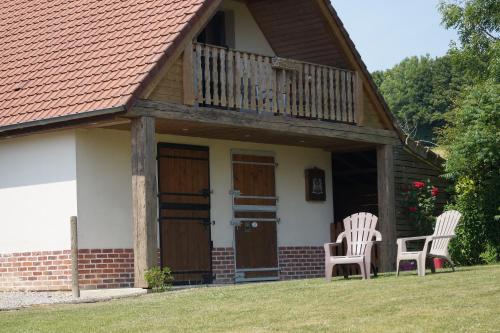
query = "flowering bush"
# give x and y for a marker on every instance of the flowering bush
(420, 205)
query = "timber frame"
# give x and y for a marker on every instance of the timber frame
(252, 120)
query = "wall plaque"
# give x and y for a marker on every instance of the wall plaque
(315, 185)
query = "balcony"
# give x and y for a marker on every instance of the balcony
(243, 81)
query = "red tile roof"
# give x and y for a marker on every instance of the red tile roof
(65, 57)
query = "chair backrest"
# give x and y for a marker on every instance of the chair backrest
(445, 226)
(359, 228)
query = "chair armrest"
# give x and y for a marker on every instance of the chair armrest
(332, 244)
(402, 242)
(406, 239)
(443, 237)
(340, 237)
(328, 247)
(378, 236)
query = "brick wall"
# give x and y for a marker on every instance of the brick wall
(51, 270)
(301, 262)
(223, 264)
(296, 262)
(43, 270)
(114, 268)
(106, 268)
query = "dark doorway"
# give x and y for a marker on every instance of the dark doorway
(184, 203)
(354, 190)
(354, 183)
(215, 31)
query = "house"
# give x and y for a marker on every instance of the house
(224, 139)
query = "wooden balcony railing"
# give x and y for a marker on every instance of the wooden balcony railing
(245, 81)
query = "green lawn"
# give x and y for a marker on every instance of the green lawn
(465, 301)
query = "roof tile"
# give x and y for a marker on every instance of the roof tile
(63, 57)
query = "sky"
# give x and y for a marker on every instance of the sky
(387, 31)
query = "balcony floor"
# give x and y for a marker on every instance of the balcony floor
(177, 119)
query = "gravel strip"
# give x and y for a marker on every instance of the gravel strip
(18, 299)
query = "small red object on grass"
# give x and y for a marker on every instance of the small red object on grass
(438, 263)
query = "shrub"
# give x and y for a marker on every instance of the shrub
(490, 255)
(159, 279)
(473, 140)
(420, 205)
(477, 233)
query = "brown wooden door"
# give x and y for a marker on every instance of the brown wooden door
(184, 201)
(254, 210)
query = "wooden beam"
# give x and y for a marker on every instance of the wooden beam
(248, 120)
(188, 75)
(386, 207)
(144, 200)
(84, 123)
(359, 96)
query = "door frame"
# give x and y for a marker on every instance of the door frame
(278, 267)
(186, 147)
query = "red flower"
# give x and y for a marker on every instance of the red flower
(418, 184)
(412, 209)
(434, 191)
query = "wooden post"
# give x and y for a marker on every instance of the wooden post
(144, 200)
(386, 207)
(75, 287)
(359, 112)
(188, 75)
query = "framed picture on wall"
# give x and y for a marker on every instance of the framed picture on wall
(315, 184)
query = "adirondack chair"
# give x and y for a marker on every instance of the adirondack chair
(359, 230)
(443, 232)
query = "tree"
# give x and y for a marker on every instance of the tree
(478, 25)
(472, 136)
(472, 140)
(419, 91)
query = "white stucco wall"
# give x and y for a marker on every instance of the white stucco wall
(248, 36)
(104, 190)
(302, 223)
(37, 192)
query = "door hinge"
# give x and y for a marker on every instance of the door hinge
(235, 193)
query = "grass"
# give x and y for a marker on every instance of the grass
(465, 301)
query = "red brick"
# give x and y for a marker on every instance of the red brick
(50, 270)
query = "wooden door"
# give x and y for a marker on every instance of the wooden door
(184, 202)
(255, 217)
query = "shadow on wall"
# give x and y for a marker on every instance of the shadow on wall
(37, 159)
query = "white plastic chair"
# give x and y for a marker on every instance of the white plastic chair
(443, 232)
(359, 230)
